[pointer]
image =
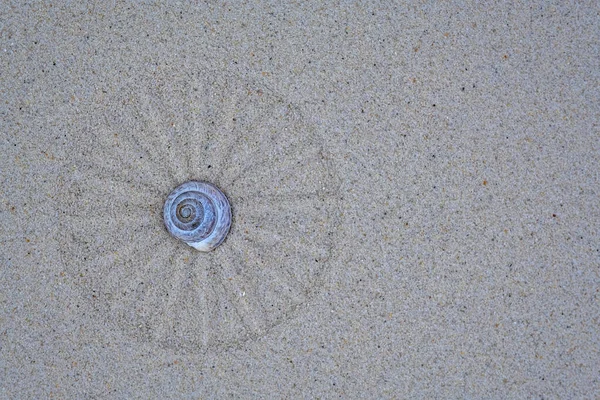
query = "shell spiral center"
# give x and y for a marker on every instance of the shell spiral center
(199, 214)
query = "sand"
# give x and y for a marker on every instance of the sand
(414, 190)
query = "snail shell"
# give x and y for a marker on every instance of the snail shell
(199, 214)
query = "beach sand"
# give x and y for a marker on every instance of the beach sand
(414, 190)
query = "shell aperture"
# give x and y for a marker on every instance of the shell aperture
(199, 214)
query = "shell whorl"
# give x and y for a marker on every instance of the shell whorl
(199, 214)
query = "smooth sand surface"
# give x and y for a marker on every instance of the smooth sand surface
(414, 187)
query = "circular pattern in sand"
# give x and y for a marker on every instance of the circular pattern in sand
(133, 146)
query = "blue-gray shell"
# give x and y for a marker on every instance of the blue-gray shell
(199, 214)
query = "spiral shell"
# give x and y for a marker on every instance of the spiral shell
(199, 214)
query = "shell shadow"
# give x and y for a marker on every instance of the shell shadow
(134, 146)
